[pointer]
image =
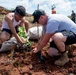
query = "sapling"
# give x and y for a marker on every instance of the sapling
(24, 36)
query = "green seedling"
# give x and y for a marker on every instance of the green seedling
(22, 34)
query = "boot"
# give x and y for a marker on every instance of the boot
(62, 60)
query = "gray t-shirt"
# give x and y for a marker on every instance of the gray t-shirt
(59, 22)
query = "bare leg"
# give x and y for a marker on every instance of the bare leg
(53, 52)
(59, 40)
(4, 36)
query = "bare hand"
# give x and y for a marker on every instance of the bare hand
(23, 39)
(35, 50)
(20, 41)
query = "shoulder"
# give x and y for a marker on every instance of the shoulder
(24, 20)
(9, 16)
(53, 18)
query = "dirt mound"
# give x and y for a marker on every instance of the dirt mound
(3, 10)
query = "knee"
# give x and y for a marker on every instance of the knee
(49, 52)
(2, 38)
(55, 37)
(52, 52)
(59, 37)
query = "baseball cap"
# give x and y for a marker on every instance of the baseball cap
(20, 10)
(36, 14)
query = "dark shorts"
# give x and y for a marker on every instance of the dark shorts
(9, 31)
(71, 38)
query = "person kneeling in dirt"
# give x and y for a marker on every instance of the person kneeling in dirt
(60, 29)
(11, 22)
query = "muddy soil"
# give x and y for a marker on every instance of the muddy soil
(23, 62)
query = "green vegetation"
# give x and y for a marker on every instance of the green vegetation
(22, 34)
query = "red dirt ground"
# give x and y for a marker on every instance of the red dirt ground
(23, 62)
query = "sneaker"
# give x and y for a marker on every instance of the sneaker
(62, 60)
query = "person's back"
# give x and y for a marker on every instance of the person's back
(61, 23)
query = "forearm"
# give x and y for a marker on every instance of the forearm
(39, 42)
(25, 25)
(41, 46)
(40, 39)
(44, 41)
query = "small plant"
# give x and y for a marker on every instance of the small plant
(21, 32)
(23, 35)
